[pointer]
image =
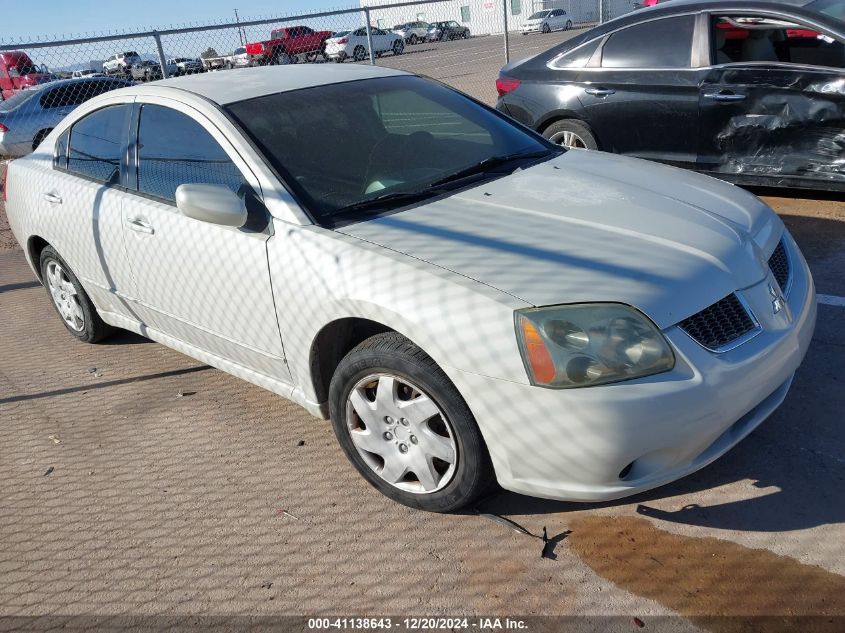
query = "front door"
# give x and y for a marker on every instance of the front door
(772, 105)
(204, 284)
(643, 100)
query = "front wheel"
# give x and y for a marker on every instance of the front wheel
(398, 47)
(406, 428)
(413, 40)
(546, 29)
(568, 25)
(70, 300)
(571, 134)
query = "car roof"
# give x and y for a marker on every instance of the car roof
(73, 80)
(248, 83)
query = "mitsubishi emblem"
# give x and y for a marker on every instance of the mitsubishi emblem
(777, 298)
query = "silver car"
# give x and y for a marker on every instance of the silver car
(28, 116)
(413, 32)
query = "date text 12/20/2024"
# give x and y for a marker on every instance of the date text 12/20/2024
(418, 624)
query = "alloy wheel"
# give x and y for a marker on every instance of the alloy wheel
(64, 296)
(569, 140)
(401, 433)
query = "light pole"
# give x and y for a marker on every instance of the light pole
(240, 31)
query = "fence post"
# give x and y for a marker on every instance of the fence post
(369, 36)
(161, 59)
(507, 41)
(601, 11)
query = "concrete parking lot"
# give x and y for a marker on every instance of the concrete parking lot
(136, 481)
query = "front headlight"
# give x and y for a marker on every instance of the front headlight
(589, 344)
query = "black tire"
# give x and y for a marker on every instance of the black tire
(546, 29)
(465, 35)
(393, 354)
(94, 329)
(579, 128)
(398, 47)
(413, 39)
(40, 137)
(359, 54)
(568, 25)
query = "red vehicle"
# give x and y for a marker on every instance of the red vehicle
(286, 44)
(18, 72)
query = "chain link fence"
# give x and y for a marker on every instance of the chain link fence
(460, 42)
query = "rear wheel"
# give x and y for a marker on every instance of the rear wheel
(282, 58)
(413, 39)
(406, 428)
(70, 300)
(547, 28)
(571, 133)
(398, 47)
(568, 25)
(359, 54)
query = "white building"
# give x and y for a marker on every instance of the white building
(487, 16)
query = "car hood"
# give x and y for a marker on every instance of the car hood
(593, 227)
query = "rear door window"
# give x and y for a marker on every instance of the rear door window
(663, 43)
(96, 144)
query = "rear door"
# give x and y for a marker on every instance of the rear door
(643, 99)
(772, 104)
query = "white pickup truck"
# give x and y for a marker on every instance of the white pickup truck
(184, 66)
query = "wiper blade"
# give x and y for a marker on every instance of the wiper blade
(386, 200)
(489, 163)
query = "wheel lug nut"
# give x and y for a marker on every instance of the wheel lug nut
(414, 439)
(388, 419)
(388, 436)
(404, 422)
(403, 448)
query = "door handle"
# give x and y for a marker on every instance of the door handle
(599, 92)
(141, 226)
(53, 198)
(724, 96)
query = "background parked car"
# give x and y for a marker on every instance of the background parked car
(145, 71)
(450, 30)
(184, 66)
(19, 72)
(238, 58)
(27, 117)
(87, 72)
(355, 45)
(120, 63)
(413, 32)
(745, 92)
(547, 21)
(285, 45)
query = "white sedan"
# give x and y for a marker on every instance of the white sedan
(465, 301)
(547, 21)
(354, 44)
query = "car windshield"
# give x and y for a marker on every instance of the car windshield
(539, 15)
(341, 146)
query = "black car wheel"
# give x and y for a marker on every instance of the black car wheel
(398, 47)
(359, 54)
(413, 40)
(568, 25)
(571, 133)
(547, 29)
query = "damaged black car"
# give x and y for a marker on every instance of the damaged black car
(751, 92)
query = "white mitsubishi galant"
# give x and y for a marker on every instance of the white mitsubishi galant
(464, 300)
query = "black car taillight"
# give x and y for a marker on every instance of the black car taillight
(504, 85)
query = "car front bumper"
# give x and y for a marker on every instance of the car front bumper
(611, 441)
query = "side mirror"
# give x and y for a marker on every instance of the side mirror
(215, 204)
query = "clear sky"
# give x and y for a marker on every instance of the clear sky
(23, 19)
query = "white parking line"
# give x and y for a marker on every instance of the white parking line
(831, 300)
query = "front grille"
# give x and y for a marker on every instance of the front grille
(779, 265)
(719, 324)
